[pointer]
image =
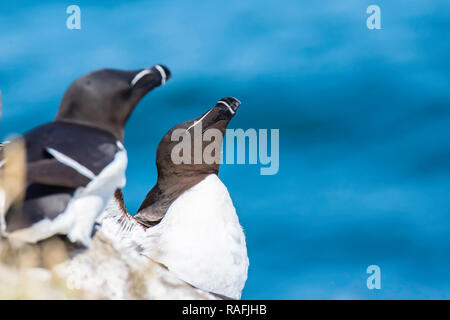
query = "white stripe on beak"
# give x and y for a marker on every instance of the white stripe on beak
(162, 72)
(228, 106)
(145, 72)
(139, 76)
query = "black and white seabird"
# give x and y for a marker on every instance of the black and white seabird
(188, 221)
(75, 163)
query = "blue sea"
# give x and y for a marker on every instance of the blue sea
(364, 120)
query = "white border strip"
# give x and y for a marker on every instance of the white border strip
(71, 163)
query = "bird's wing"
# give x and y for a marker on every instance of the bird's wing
(60, 171)
(72, 173)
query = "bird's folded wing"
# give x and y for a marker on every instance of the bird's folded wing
(61, 170)
(55, 173)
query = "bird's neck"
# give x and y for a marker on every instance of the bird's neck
(116, 130)
(161, 196)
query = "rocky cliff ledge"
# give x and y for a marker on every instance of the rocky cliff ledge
(46, 271)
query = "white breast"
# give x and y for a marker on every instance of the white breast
(201, 241)
(90, 202)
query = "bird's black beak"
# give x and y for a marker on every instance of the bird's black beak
(219, 115)
(147, 79)
(227, 107)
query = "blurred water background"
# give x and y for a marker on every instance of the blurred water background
(364, 119)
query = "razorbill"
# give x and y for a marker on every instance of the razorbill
(188, 221)
(75, 163)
